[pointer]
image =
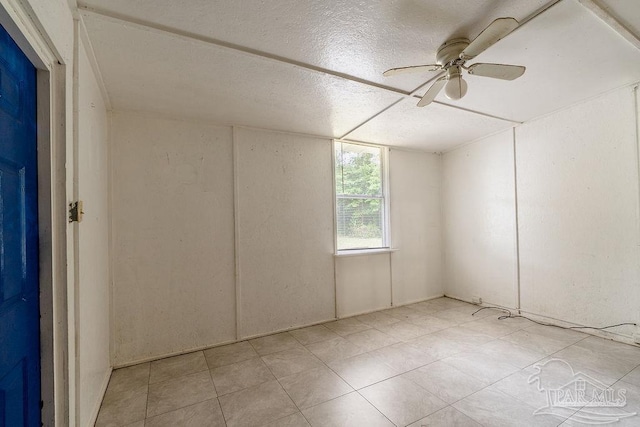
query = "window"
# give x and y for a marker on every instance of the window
(361, 207)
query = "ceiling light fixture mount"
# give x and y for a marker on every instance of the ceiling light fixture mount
(449, 52)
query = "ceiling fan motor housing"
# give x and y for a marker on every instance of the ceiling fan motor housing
(450, 51)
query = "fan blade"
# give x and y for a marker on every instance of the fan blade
(412, 69)
(490, 35)
(497, 71)
(433, 91)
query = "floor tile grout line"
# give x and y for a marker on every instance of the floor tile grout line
(146, 404)
(278, 380)
(376, 408)
(179, 376)
(500, 391)
(184, 407)
(285, 390)
(291, 399)
(215, 389)
(206, 361)
(224, 417)
(422, 387)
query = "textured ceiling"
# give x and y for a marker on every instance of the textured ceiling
(315, 66)
(179, 76)
(408, 126)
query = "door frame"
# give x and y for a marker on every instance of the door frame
(52, 205)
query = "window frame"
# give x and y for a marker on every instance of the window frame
(386, 208)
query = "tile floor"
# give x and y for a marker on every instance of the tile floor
(428, 364)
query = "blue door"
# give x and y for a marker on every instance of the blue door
(19, 305)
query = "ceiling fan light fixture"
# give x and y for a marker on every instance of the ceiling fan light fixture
(456, 86)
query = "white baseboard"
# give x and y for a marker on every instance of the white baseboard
(625, 339)
(205, 347)
(360, 313)
(603, 334)
(220, 344)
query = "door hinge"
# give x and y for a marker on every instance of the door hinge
(75, 211)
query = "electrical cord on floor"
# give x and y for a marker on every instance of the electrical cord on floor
(514, 316)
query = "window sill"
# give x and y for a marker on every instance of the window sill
(364, 252)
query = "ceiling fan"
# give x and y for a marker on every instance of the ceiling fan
(452, 56)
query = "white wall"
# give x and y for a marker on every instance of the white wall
(363, 283)
(479, 217)
(187, 208)
(174, 244)
(173, 236)
(413, 271)
(577, 211)
(416, 230)
(93, 244)
(285, 230)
